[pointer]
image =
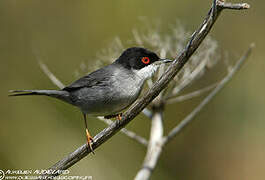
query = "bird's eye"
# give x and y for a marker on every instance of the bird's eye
(146, 60)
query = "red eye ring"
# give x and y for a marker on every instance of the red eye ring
(146, 60)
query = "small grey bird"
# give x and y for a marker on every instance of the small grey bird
(108, 90)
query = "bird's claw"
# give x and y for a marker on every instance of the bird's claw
(117, 116)
(89, 142)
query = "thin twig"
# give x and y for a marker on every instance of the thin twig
(140, 104)
(191, 95)
(206, 100)
(192, 76)
(51, 76)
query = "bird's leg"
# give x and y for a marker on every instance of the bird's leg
(88, 136)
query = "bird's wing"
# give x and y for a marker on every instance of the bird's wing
(99, 77)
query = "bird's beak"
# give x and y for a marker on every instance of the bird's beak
(162, 61)
(165, 60)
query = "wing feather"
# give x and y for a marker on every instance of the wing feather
(99, 77)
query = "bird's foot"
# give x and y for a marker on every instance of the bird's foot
(89, 141)
(117, 116)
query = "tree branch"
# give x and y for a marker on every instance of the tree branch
(234, 6)
(158, 86)
(154, 147)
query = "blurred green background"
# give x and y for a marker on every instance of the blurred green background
(225, 141)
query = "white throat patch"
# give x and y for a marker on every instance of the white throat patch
(146, 72)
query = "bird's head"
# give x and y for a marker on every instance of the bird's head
(141, 61)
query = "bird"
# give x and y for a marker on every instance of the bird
(109, 90)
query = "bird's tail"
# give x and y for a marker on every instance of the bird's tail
(59, 94)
